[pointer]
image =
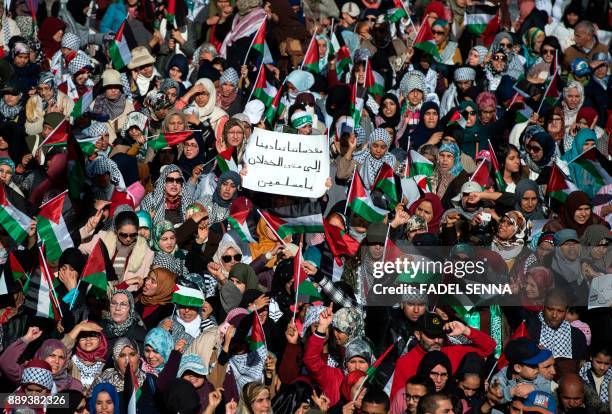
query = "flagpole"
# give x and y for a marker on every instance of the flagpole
(299, 258)
(314, 33)
(492, 370)
(246, 57)
(516, 94)
(50, 282)
(545, 93)
(365, 379)
(408, 157)
(261, 69)
(350, 188)
(272, 228)
(53, 199)
(75, 294)
(476, 170)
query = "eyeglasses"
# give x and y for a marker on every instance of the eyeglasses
(506, 45)
(548, 51)
(179, 180)
(533, 148)
(228, 258)
(128, 235)
(414, 398)
(120, 305)
(500, 57)
(469, 113)
(438, 374)
(194, 145)
(438, 32)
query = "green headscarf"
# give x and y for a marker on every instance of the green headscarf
(584, 180)
(529, 41)
(245, 274)
(9, 162)
(158, 230)
(473, 136)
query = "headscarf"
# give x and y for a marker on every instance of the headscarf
(62, 378)
(105, 106)
(571, 114)
(394, 120)
(155, 202)
(570, 271)
(370, 165)
(158, 230)
(50, 26)
(521, 188)
(112, 392)
(583, 179)
(207, 112)
(264, 243)
(453, 149)
(430, 361)
(234, 177)
(421, 133)
(537, 133)
(229, 76)
(573, 201)
(509, 249)
(120, 329)
(161, 341)
(9, 113)
(438, 210)
(458, 14)
(514, 68)
(187, 165)
(98, 354)
(245, 274)
(529, 40)
(226, 242)
(165, 287)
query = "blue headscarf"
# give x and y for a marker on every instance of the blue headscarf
(161, 341)
(453, 149)
(227, 175)
(111, 390)
(581, 177)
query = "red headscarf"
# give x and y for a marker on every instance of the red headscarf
(347, 383)
(50, 26)
(438, 210)
(99, 354)
(436, 7)
(587, 113)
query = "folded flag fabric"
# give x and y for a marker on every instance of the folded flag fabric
(14, 221)
(52, 228)
(360, 201)
(94, 271)
(59, 135)
(297, 218)
(596, 165)
(419, 165)
(425, 41)
(256, 336)
(559, 186)
(82, 105)
(478, 16)
(340, 242)
(169, 139)
(498, 174)
(240, 210)
(385, 182)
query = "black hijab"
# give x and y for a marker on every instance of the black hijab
(187, 165)
(392, 121)
(421, 133)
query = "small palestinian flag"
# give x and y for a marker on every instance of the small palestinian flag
(16, 269)
(482, 174)
(341, 52)
(385, 182)
(559, 186)
(424, 40)
(478, 16)
(311, 58)
(371, 371)
(361, 203)
(186, 296)
(52, 228)
(171, 12)
(239, 212)
(88, 145)
(596, 165)
(374, 82)
(131, 391)
(169, 139)
(397, 13)
(286, 226)
(94, 271)
(276, 109)
(262, 89)
(225, 160)
(498, 174)
(340, 242)
(457, 119)
(256, 336)
(40, 296)
(552, 95)
(15, 222)
(82, 105)
(8, 283)
(419, 165)
(59, 136)
(308, 293)
(119, 50)
(356, 105)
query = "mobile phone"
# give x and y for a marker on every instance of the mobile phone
(485, 216)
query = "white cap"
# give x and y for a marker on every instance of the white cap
(254, 110)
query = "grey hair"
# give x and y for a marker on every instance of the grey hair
(586, 25)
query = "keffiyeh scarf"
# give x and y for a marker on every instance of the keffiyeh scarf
(248, 367)
(155, 202)
(9, 112)
(587, 376)
(558, 341)
(88, 373)
(370, 165)
(118, 329)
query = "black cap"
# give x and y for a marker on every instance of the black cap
(431, 325)
(524, 351)
(11, 88)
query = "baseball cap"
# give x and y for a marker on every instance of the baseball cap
(524, 351)
(540, 402)
(601, 57)
(565, 235)
(580, 67)
(431, 325)
(352, 9)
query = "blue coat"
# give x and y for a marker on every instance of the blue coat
(114, 16)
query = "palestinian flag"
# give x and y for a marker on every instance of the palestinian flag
(299, 275)
(559, 186)
(520, 332)
(311, 58)
(52, 229)
(131, 391)
(392, 253)
(82, 105)
(276, 109)
(57, 137)
(259, 41)
(424, 40)
(596, 165)
(186, 296)
(88, 145)
(256, 336)
(482, 174)
(385, 182)
(169, 139)
(360, 202)
(396, 14)
(119, 50)
(94, 271)
(262, 89)
(419, 165)
(341, 52)
(498, 174)
(524, 114)
(225, 161)
(412, 189)
(478, 16)
(374, 82)
(14, 221)
(40, 295)
(552, 95)
(240, 210)
(521, 86)
(75, 169)
(16, 269)
(356, 105)
(308, 293)
(8, 284)
(340, 242)
(371, 371)
(286, 226)
(457, 119)
(493, 27)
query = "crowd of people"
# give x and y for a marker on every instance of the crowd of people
(116, 121)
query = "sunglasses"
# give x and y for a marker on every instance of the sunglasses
(533, 148)
(128, 235)
(228, 258)
(86, 335)
(500, 57)
(170, 180)
(506, 45)
(438, 32)
(469, 113)
(548, 51)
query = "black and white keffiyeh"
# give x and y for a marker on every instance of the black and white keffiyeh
(370, 165)
(587, 375)
(155, 202)
(558, 341)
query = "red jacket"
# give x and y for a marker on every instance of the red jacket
(328, 378)
(408, 363)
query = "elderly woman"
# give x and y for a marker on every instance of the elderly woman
(122, 319)
(585, 139)
(204, 107)
(154, 304)
(514, 64)
(229, 96)
(218, 204)
(367, 161)
(449, 175)
(448, 50)
(573, 98)
(113, 102)
(169, 200)
(130, 253)
(47, 99)
(510, 237)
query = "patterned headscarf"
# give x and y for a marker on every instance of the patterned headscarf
(348, 321)
(155, 202)
(453, 149)
(168, 261)
(9, 162)
(229, 76)
(370, 165)
(158, 230)
(104, 165)
(167, 84)
(121, 328)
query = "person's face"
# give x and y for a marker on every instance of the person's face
(261, 404)
(572, 98)
(227, 89)
(119, 308)
(207, 310)
(572, 396)
(582, 37)
(171, 95)
(58, 36)
(582, 214)
(430, 118)
(415, 97)
(537, 45)
(232, 254)
(548, 53)
(463, 86)
(235, 136)
(431, 18)
(529, 201)
(535, 150)
(44, 91)
(175, 73)
(176, 123)
(439, 34)
(6, 173)
(554, 315)
(191, 149)
(376, 251)
(572, 18)
(513, 162)
(57, 360)
(597, 252)
(446, 160)
(21, 60)
(547, 368)
(357, 364)
(498, 61)
(439, 375)
(531, 289)
(389, 108)
(444, 406)
(90, 342)
(174, 184)
(154, 359)
(188, 314)
(150, 285)
(601, 70)
(127, 354)
(146, 70)
(544, 249)
(112, 92)
(470, 385)
(413, 395)
(167, 242)
(360, 73)
(527, 372)
(35, 389)
(470, 116)
(228, 190)
(425, 211)
(554, 127)
(570, 250)
(3, 144)
(197, 381)
(127, 234)
(305, 130)
(373, 408)
(201, 99)
(378, 149)
(322, 46)
(473, 58)
(600, 364)
(486, 114)
(427, 343)
(104, 403)
(81, 78)
(341, 337)
(412, 311)
(11, 100)
(364, 31)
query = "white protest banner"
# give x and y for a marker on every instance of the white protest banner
(288, 164)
